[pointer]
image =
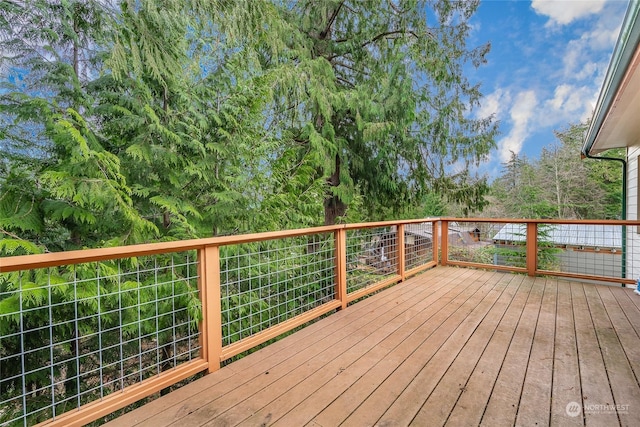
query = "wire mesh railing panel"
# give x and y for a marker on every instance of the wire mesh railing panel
(74, 334)
(372, 256)
(418, 244)
(490, 243)
(587, 249)
(632, 252)
(265, 283)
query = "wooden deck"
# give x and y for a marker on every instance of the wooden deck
(448, 347)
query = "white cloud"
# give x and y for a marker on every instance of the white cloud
(560, 96)
(579, 53)
(569, 104)
(604, 35)
(492, 104)
(522, 112)
(556, 82)
(588, 70)
(565, 11)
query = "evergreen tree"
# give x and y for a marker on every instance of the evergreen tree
(519, 192)
(70, 187)
(560, 184)
(132, 121)
(379, 101)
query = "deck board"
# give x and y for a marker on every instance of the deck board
(453, 381)
(377, 404)
(311, 403)
(473, 399)
(596, 389)
(566, 372)
(306, 378)
(504, 402)
(451, 346)
(614, 358)
(535, 402)
(630, 342)
(423, 327)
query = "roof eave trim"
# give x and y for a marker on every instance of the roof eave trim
(623, 53)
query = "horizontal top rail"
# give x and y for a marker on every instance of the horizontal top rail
(389, 223)
(8, 264)
(545, 221)
(15, 263)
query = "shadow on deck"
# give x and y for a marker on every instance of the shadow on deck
(450, 346)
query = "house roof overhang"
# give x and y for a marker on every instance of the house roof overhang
(616, 118)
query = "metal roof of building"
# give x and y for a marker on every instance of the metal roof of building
(597, 236)
(422, 230)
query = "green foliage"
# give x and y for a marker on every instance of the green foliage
(147, 120)
(560, 184)
(513, 253)
(77, 326)
(480, 254)
(382, 107)
(150, 120)
(266, 283)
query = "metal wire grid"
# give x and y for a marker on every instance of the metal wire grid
(632, 252)
(598, 250)
(266, 283)
(74, 334)
(418, 244)
(372, 256)
(488, 243)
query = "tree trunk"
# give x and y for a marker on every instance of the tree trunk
(333, 206)
(76, 47)
(558, 190)
(333, 209)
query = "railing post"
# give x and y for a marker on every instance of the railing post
(401, 251)
(444, 245)
(435, 245)
(341, 266)
(209, 288)
(532, 248)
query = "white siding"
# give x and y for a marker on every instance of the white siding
(633, 238)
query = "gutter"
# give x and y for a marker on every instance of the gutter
(622, 56)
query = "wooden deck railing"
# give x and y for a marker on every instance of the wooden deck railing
(85, 333)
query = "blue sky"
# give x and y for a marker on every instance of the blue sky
(547, 63)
